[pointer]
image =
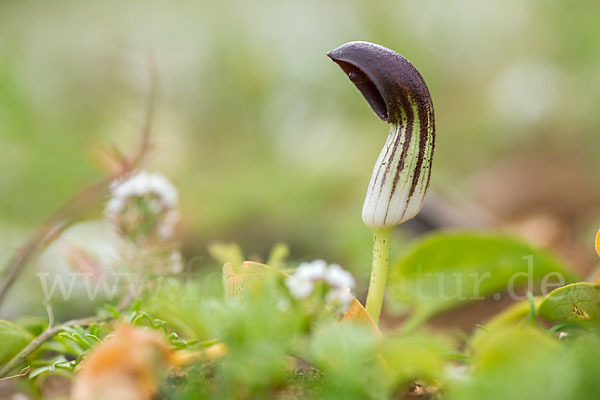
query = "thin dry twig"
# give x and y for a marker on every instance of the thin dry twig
(48, 232)
(81, 204)
(23, 372)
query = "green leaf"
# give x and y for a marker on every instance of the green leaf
(112, 310)
(279, 252)
(344, 353)
(514, 363)
(92, 338)
(422, 356)
(578, 302)
(444, 270)
(60, 367)
(13, 339)
(516, 315)
(227, 253)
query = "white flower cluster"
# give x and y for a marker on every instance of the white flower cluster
(141, 184)
(340, 281)
(161, 194)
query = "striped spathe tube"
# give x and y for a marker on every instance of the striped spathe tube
(399, 96)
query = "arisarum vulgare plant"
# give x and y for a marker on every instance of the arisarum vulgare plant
(399, 96)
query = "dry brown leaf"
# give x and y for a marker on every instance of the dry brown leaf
(357, 313)
(127, 366)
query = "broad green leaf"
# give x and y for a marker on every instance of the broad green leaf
(443, 270)
(494, 350)
(514, 363)
(13, 339)
(516, 315)
(578, 302)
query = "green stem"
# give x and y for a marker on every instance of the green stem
(381, 258)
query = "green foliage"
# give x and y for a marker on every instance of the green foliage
(576, 303)
(512, 363)
(347, 356)
(443, 270)
(415, 357)
(524, 362)
(278, 346)
(64, 352)
(267, 333)
(13, 339)
(57, 366)
(517, 314)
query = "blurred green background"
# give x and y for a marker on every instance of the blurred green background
(268, 141)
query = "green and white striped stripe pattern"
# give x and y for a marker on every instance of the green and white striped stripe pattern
(401, 175)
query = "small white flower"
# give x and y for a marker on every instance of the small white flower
(338, 277)
(313, 271)
(340, 297)
(141, 184)
(114, 205)
(299, 288)
(156, 192)
(301, 284)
